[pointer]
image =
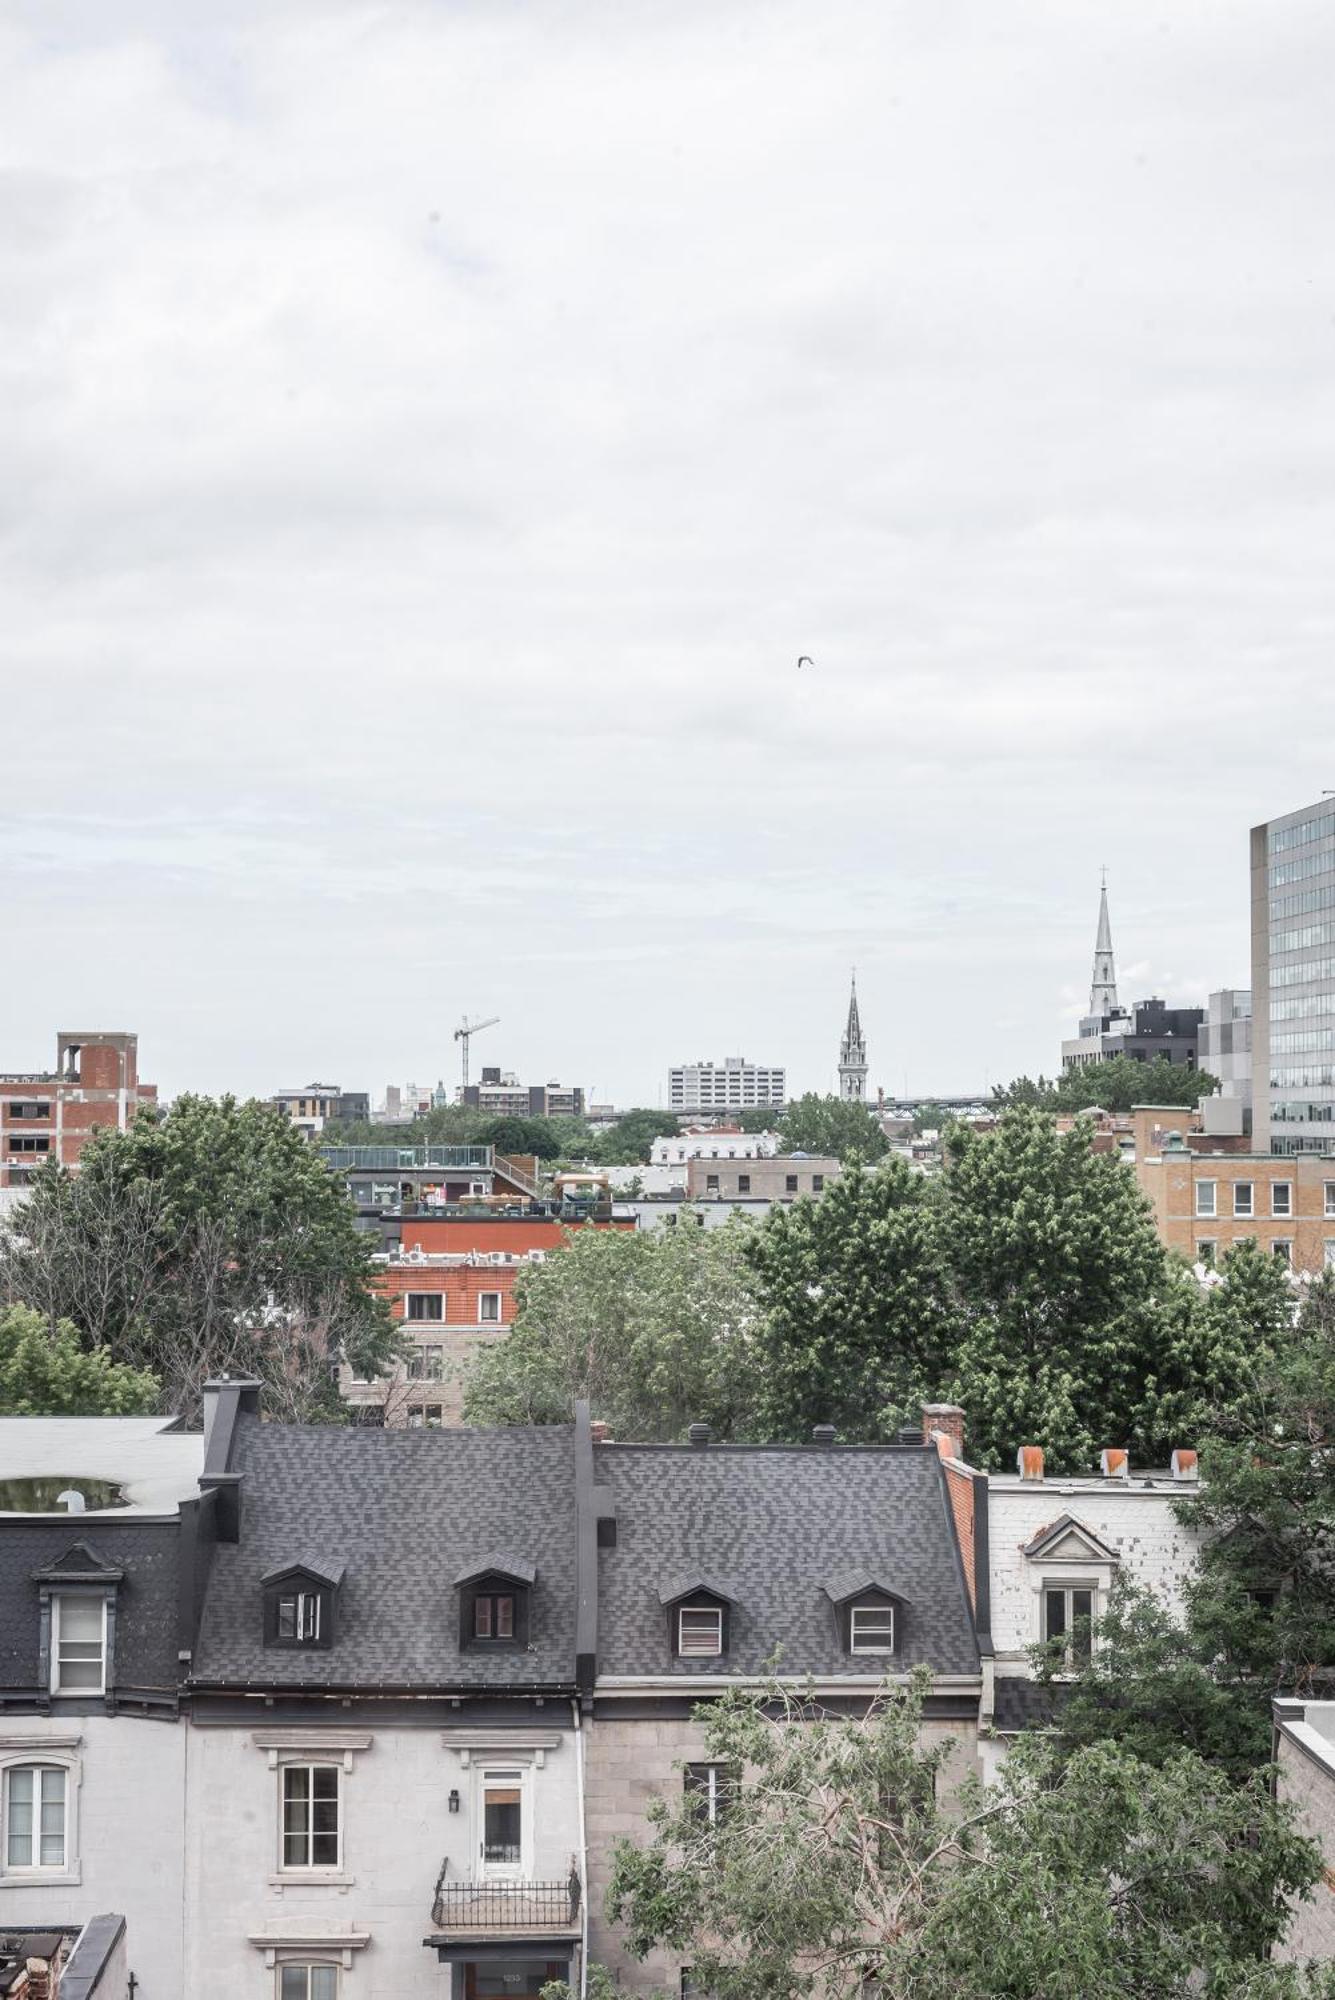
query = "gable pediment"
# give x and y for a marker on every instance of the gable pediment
(1069, 1540)
(79, 1563)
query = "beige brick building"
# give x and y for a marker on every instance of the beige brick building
(1305, 1761)
(1206, 1202)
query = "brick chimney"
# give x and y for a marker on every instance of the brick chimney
(1115, 1462)
(1029, 1461)
(600, 1432)
(947, 1419)
(1184, 1465)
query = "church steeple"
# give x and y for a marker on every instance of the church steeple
(853, 1053)
(1103, 985)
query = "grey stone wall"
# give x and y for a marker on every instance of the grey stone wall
(1312, 1790)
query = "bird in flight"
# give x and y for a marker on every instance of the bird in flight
(804, 660)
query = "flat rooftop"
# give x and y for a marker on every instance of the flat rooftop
(154, 1466)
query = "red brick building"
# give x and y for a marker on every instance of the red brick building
(51, 1114)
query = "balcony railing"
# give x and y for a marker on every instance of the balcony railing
(381, 1159)
(506, 1909)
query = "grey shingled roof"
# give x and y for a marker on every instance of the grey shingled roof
(146, 1551)
(774, 1525)
(405, 1512)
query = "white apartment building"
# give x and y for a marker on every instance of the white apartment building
(682, 1147)
(732, 1085)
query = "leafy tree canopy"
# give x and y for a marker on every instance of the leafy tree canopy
(840, 1128)
(655, 1327)
(1115, 1085)
(206, 1238)
(627, 1143)
(834, 1871)
(47, 1372)
(857, 1327)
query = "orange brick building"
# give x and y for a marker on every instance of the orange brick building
(1205, 1202)
(51, 1114)
(451, 1304)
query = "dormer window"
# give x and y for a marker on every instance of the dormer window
(699, 1612)
(868, 1613)
(700, 1631)
(495, 1597)
(871, 1627)
(299, 1603)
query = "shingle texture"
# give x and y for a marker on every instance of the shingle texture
(405, 1512)
(145, 1599)
(1024, 1704)
(772, 1526)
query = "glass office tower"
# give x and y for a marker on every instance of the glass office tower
(1293, 982)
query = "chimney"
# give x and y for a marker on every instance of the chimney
(699, 1435)
(1115, 1462)
(823, 1434)
(1029, 1461)
(600, 1432)
(1184, 1465)
(947, 1418)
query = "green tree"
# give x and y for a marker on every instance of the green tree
(1116, 1084)
(837, 1127)
(931, 1117)
(1033, 1093)
(47, 1372)
(759, 1118)
(856, 1320)
(521, 1135)
(627, 1143)
(1060, 1290)
(833, 1871)
(656, 1328)
(208, 1238)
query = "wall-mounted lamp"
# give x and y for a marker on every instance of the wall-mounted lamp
(454, 1802)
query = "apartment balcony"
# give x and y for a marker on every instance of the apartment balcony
(465, 1912)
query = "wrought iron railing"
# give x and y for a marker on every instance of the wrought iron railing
(477, 1907)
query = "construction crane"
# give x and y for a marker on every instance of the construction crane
(465, 1032)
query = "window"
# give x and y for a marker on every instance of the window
(1068, 1613)
(1283, 1251)
(78, 1645)
(709, 1787)
(29, 1142)
(790, 1184)
(1330, 1197)
(34, 1817)
(1205, 1252)
(1205, 1193)
(700, 1631)
(426, 1417)
(28, 1108)
(425, 1364)
(871, 1628)
(1281, 1198)
(1330, 1255)
(743, 1183)
(1242, 1198)
(711, 1183)
(311, 1832)
(426, 1305)
(494, 1615)
(488, 1306)
(817, 1183)
(308, 1982)
(503, 1819)
(297, 1619)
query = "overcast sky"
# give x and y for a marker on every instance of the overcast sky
(430, 433)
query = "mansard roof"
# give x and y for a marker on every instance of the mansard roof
(139, 1557)
(774, 1526)
(406, 1513)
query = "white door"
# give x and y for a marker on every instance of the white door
(503, 1829)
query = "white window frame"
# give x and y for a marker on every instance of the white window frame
(35, 1869)
(58, 1600)
(708, 1783)
(685, 1652)
(1241, 1214)
(1329, 1187)
(880, 1614)
(22, 1752)
(1278, 1188)
(1285, 1244)
(310, 1871)
(1210, 1208)
(306, 1615)
(1070, 1584)
(306, 1965)
(515, 1777)
(489, 1319)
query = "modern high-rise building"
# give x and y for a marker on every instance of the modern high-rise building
(1225, 1045)
(1293, 981)
(853, 1053)
(732, 1085)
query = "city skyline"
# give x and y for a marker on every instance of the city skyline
(434, 434)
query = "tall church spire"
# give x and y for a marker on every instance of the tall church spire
(1103, 985)
(853, 1053)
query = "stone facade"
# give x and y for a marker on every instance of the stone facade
(1305, 1756)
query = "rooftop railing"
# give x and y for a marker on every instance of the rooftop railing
(381, 1159)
